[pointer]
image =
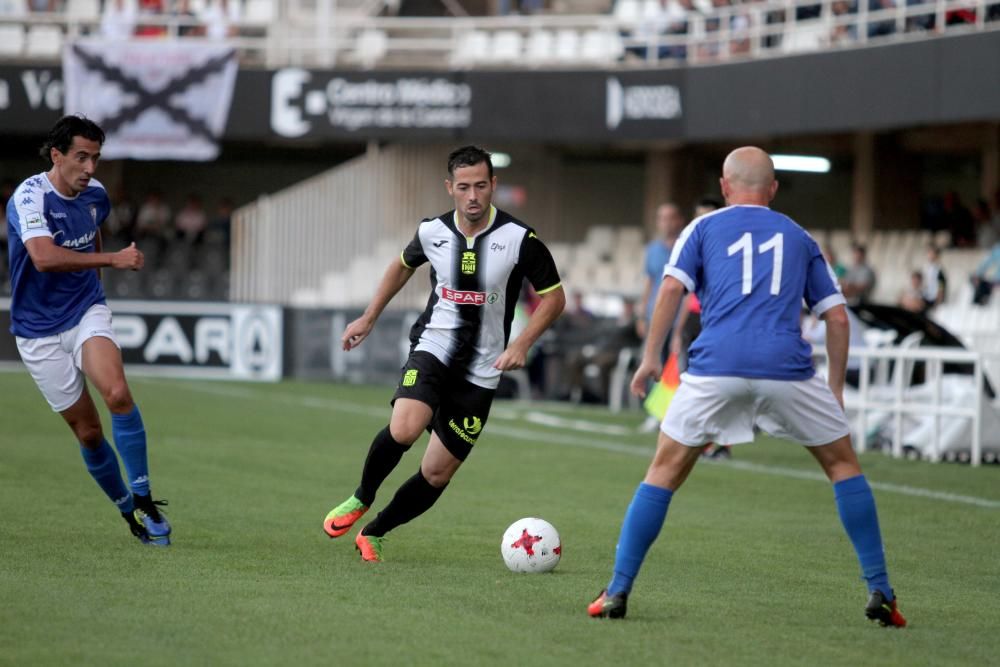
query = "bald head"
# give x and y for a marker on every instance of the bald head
(748, 177)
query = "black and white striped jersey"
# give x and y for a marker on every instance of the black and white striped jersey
(475, 283)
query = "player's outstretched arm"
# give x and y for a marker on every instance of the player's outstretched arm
(667, 301)
(392, 281)
(838, 340)
(48, 257)
(548, 310)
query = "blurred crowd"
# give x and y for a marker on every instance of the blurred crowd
(187, 248)
(654, 18)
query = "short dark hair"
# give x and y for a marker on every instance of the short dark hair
(709, 202)
(469, 156)
(62, 133)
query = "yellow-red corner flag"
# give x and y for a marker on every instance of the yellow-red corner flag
(659, 397)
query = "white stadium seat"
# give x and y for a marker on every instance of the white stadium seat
(13, 7)
(567, 45)
(44, 41)
(541, 46)
(11, 40)
(83, 10)
(371, 47)
(473, 47)
(600, 46)
(628, 11)
(507, 45)
(260, 11)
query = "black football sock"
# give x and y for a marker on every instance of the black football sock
(383, 456)
(415, 497)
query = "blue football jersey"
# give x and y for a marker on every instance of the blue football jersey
(45, 304)
(751, 268)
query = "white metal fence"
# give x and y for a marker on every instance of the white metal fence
(338, 230)
(314, 33)
(872, 400)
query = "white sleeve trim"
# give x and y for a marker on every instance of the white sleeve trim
(835, 299)
(675, 272)
(35, 234)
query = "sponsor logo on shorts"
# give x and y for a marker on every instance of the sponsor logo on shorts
(468, 262)
(410, 377)
(473, 425)
(472, 428)
(463, 298)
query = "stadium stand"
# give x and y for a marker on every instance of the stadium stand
(629, 33)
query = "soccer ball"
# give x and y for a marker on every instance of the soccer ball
(531, 545)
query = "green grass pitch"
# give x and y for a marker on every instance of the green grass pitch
(752, 567)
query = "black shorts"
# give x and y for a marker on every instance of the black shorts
(460, 407)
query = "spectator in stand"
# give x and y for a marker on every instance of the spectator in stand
(912, 297)
(986, 233)
(220, 18)
(601, 357)
(218, 227)
(839, 270)
(986, 277)
(153, 220)
(119, 225)
(935, 283)
(187, 24)
(845, 29)
(6, 192)
(859, 281)
(921, 21)
(118, 20)
(882, 26)
(151, 9)
(958, 221)
(577, 315)
(507, 7)
(191, 221)
(669, 223)
(46, 6)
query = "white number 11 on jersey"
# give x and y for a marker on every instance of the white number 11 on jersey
(775, 243)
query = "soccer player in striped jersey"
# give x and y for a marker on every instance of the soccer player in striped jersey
(62, 323)
(751, 268)
(479, 257)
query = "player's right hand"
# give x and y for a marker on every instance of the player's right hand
(647, 371)
(356, 332)
(128, 258)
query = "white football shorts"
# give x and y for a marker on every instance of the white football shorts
(56, 362)
(724, 411)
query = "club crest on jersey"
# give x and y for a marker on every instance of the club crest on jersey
(468, 262)
(93, 214)
(463, 298)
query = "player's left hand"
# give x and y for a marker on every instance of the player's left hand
(511, 359)
(647, 371)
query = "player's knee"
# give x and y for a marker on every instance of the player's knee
(118, 398)
(437, 477)
(89, 435)
(406, 431)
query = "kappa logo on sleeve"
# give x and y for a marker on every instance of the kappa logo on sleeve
(34, 221)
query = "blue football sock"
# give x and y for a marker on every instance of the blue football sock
(102, 464)
(642, 524)
(130, 439)
(856, 506)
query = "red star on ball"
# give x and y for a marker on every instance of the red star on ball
(526, 542)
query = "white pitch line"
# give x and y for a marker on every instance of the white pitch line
(366, 410)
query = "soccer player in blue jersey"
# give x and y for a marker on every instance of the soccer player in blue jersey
(751, 268)
(62, 323)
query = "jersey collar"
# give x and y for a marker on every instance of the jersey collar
(45, 175)
(470, 240)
